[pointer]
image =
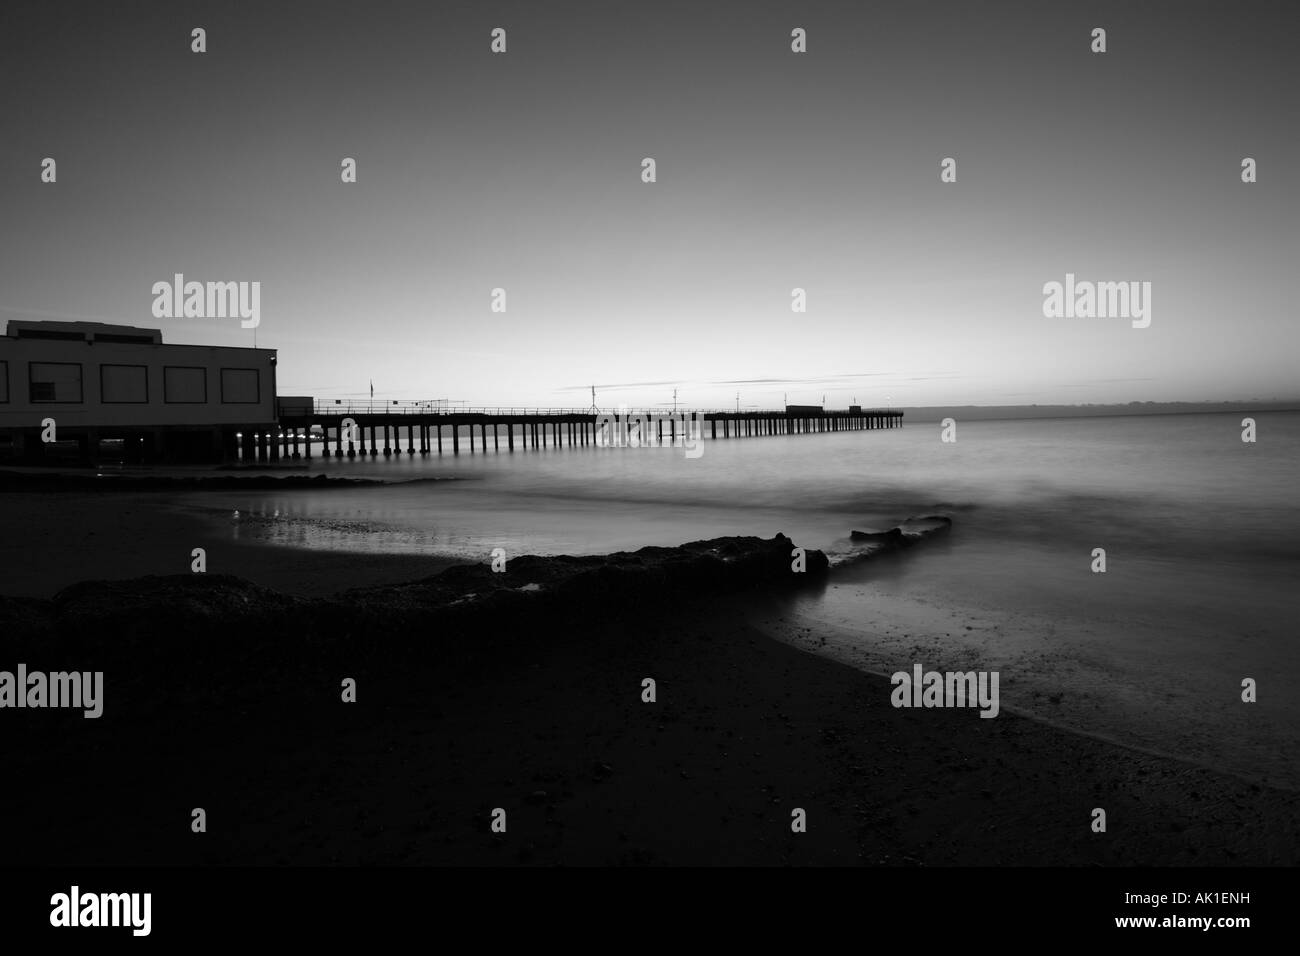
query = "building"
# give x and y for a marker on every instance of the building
(95, 382)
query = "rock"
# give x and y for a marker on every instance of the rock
(910, 532)
(892, 536)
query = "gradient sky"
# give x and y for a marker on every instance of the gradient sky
(775, 170)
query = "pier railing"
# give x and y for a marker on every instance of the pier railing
(328, 407)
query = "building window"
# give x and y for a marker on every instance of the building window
(127, 339)
(239, 386)
(124, 384)
(54, 382)
(185, 385)
(4, 382)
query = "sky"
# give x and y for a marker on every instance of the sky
(775, 170)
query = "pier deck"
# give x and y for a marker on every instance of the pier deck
(346, 431)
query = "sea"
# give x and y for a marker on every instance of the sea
(1200, 531)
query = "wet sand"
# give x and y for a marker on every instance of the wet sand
(52, 540)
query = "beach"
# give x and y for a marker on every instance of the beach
(476, 693)
(1151, 654)
(127, 534)
(692, 438)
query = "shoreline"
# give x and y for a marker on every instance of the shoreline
(477, 694)
(786, 632)
(225, 478)
(141, 534)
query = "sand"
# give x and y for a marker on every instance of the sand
(55, 539)
(536, 709)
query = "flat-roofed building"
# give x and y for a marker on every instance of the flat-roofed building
(98, 381)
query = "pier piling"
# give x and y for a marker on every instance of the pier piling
(539, 429)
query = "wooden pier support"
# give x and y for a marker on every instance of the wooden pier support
(539, 430)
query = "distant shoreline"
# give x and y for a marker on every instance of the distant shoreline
(1012, 413)
(45, 480)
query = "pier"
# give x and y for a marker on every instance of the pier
(420, 428)
(92, 392)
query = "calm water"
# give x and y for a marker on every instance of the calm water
(1200, 532)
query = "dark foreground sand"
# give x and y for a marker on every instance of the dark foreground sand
(474, 695)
